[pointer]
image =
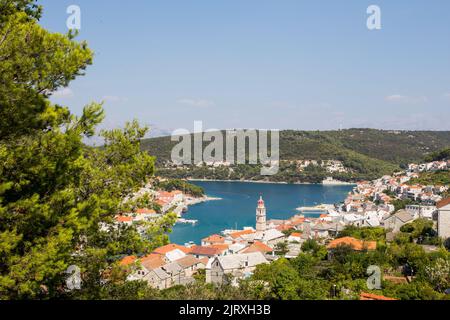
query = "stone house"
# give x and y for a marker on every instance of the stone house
(397, 220)
(190, 265)
(223, 269)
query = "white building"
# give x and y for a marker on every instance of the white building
(420, 211)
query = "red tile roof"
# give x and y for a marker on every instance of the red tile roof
(221, 246)
(152, 261)
(188, 261)
(127, 260)
(205, 251)
(145, 211)
(371, 296)
(356, 244)
(443, 203)
(237, 234)
(123, 219)
(297, 221)
(284, 227)
(258, 247)
(215, 238)
(170, 247)
(161, 202)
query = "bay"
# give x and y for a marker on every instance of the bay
(238, 205)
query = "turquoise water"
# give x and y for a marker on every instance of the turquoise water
(238, 205)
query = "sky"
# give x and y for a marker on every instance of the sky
(289, 64)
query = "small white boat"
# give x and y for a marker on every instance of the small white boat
(186, 221)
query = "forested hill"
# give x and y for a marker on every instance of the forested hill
(397, 147)
(367, 152)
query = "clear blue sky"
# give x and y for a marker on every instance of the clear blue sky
(263, 64)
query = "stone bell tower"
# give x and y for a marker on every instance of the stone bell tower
(261, 216)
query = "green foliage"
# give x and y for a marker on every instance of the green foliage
(407, 253)
(10, 7)
(419, 227)
(58, 197)
(440, 155)
(186, 187)
(281, 248)
(437, 178)
(416, 290)
(313, 247)
(281, 277)
(57, 194)
(401, 203)
(364, 233)
(368, 153)
(34, 64)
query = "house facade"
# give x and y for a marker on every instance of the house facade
(443, 224)
(397, 220)
(224, 269)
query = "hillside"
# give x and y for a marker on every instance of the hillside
(365, 153)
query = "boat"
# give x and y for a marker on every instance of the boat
(187, 221)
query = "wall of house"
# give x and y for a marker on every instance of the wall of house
(444, 222)
(154, 281)
(216, 273)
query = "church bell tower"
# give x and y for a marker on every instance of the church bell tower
(261, 216)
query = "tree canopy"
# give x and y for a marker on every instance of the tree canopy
(57, 194)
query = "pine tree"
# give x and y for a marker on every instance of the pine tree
(56, 193)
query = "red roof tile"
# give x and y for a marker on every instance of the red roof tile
(205, 251)
(356, 244)
(371, 296)
(145, 211)
(443, 203)
(215, 238)
(258, 247)
(127, 260)
(123, 219)
(170, 247)
(237, 234)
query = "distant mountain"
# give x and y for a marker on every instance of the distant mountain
(366, 153)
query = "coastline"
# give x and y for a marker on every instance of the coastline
(248, 181)
(189, 201)
(343, 183)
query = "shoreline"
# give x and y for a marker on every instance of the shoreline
(342, 183)
(192, 201)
